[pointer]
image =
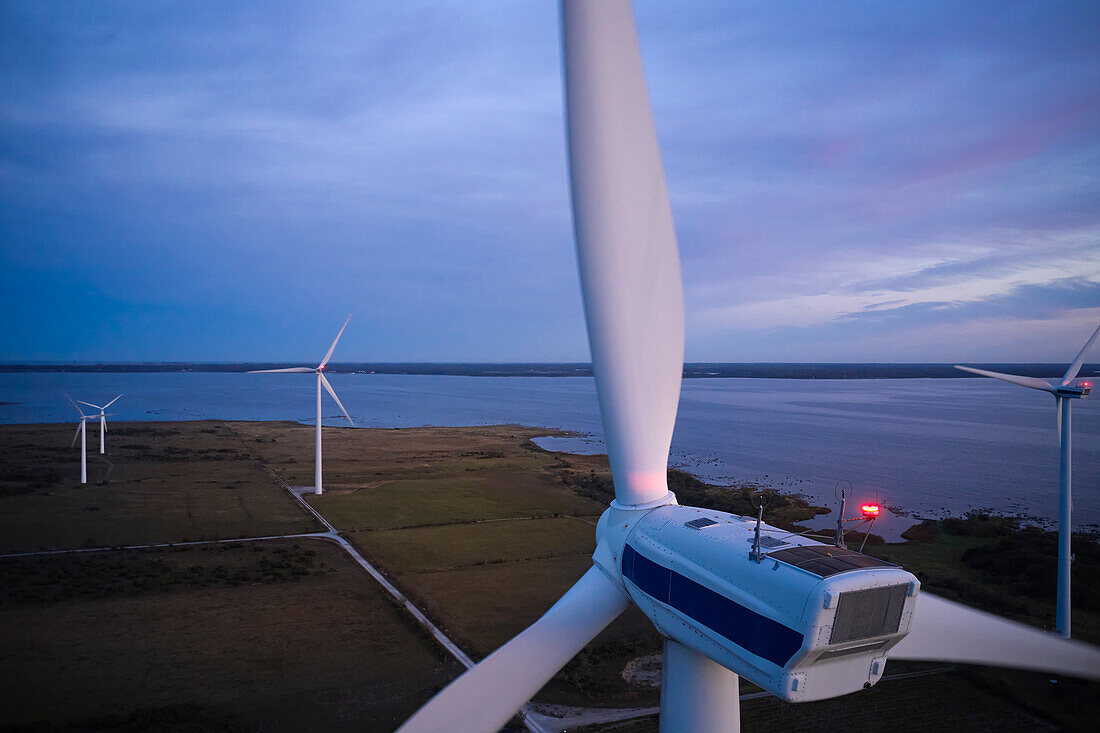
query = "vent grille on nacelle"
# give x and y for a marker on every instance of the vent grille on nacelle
(862, 614)
(769, 542)
(700, 523)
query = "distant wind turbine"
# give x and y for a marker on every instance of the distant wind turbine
(319, 370)
(1069, 388)
(82, 433)
(102, 421)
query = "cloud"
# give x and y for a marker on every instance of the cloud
(831, 167)
(1040, 277)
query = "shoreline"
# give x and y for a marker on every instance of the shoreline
(922, 444)
(692, 370)
(898, 519)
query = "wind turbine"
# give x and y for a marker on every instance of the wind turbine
(1069, 388)
(82, 433)
(803, 620)
(102, 421)
(319, 370)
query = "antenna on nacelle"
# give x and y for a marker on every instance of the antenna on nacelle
(755, 553)
(841, 493)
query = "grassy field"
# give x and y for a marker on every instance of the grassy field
(282, 635)
(425, 549)
(160, 482)
(478, 526)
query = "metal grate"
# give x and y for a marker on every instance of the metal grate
(700, 523)
(863, 614)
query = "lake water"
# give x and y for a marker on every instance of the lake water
(926, 446)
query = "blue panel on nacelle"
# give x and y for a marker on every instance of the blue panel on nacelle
(747, 629)
(654, 580)
(757, 634)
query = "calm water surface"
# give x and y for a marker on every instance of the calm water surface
(926, 446)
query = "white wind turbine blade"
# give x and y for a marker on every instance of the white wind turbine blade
(626, 245)
(484, 698)
(1032, 382)
(70, 399)
(951, 632)
(295, 370)
(630, 278)
(110, 403)
(332, 348)
(1075, 366)
(89, 404)
(77, 435)
(332, 393)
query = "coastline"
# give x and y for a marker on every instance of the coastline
(692, 370)
(443, 513)
(931, 447)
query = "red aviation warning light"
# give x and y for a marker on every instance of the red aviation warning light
(870, 511)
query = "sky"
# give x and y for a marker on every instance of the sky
(850, 181)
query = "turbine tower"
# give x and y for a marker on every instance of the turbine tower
(1066, 390)
(803, 620)
(102, 421)
(82, 433)
(319, 370)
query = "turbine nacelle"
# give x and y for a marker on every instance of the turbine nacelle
(807, 622)
(1076, 389)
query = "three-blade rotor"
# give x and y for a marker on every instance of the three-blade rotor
(101, 408)
(318, 370)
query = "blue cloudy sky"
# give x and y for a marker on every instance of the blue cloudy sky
(851, 181)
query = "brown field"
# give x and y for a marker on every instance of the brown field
(479, 527)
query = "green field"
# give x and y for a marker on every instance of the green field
(420, 549)
(482, 529)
